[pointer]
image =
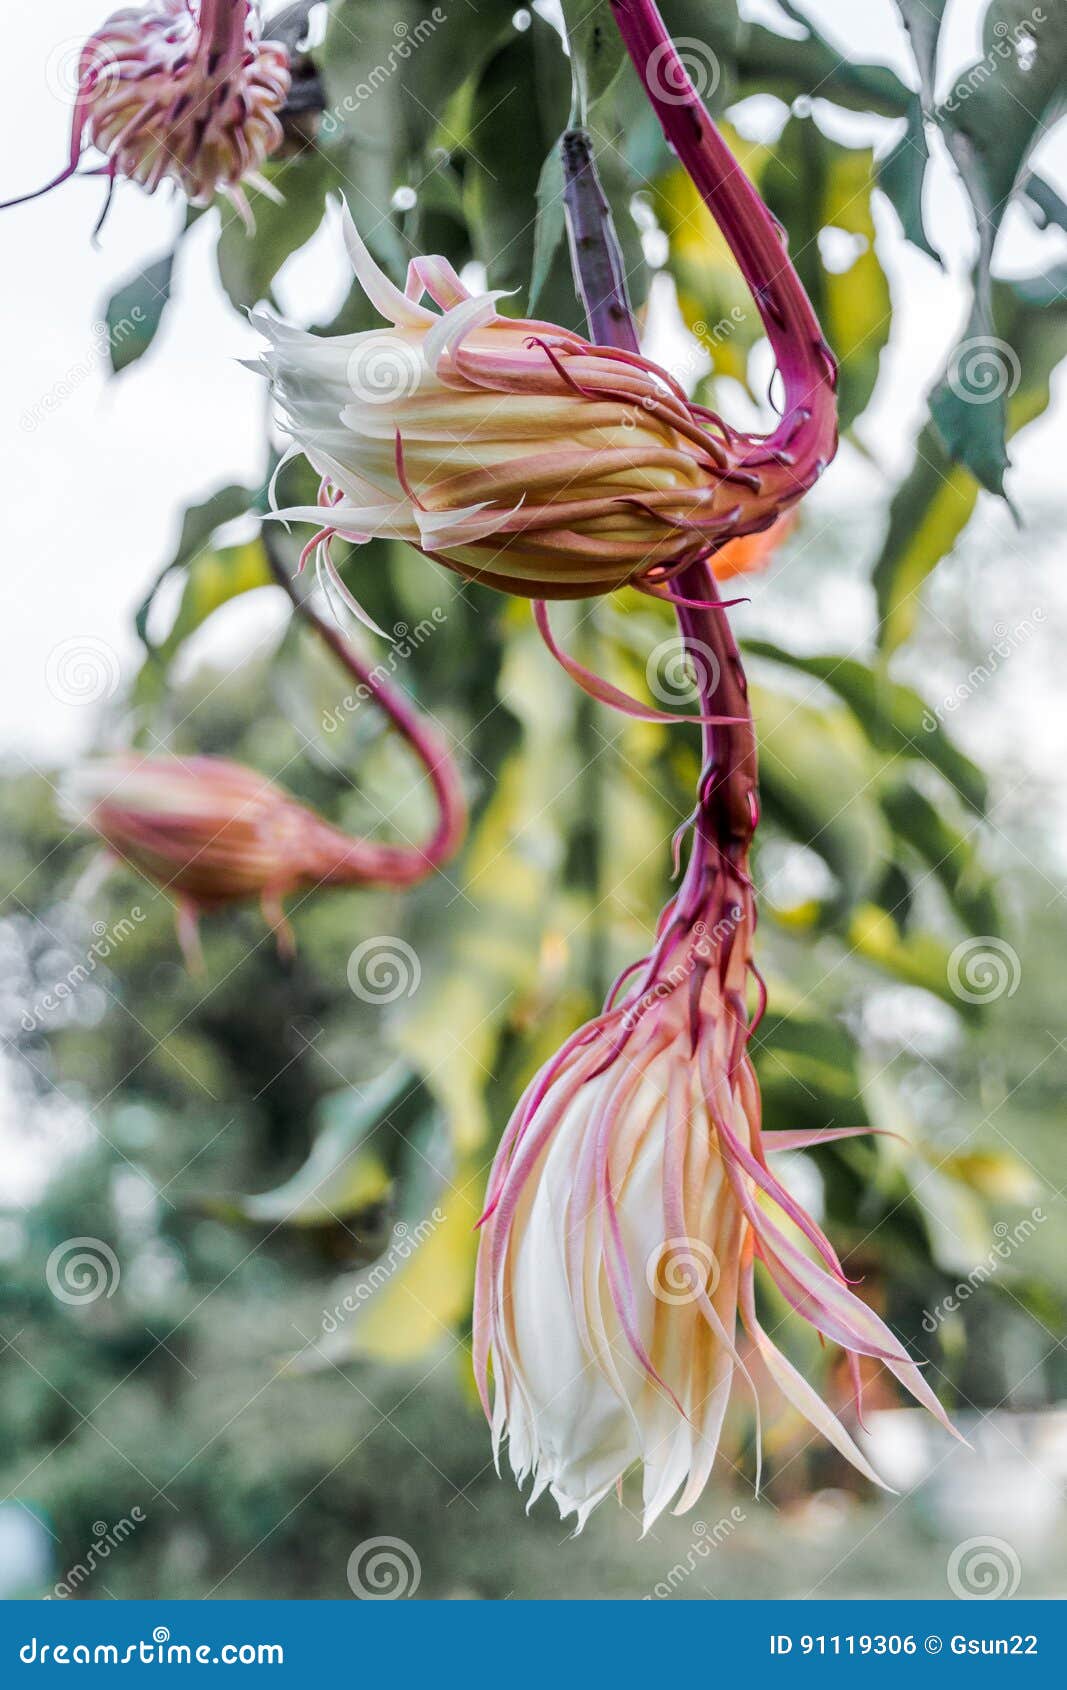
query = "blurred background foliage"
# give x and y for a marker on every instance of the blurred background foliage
(290, 1175)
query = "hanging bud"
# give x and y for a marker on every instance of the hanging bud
(181, 92)
(212, 833)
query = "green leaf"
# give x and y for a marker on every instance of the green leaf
(341, 1175)
(134, 313)
(597, 52)
(551, 221)
(248, 263)
(893, 716)
(817, 777)
(935, 501)
(198, 525)
(813, 184)
(950, 853)
(212, 579)
(901, 175)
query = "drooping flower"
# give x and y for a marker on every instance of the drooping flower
(633, 1194)
(181, 91)
(212, 832)
(520, 454)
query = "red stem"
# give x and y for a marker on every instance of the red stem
(807, 432)
(345, 860)
(222, 31)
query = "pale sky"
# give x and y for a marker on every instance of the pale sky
(97, 473)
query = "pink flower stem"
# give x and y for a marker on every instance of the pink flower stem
(223, 26)
(806, 437)
(358, 860)
(727, 807)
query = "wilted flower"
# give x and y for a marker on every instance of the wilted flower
(633, 1195)
(212, 832)
(518, 453)
(183, 91)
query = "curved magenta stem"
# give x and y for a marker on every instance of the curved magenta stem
(353, 861)
(223, 25)
(807, 433)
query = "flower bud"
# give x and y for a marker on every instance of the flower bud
(169, 90)
(518, 453)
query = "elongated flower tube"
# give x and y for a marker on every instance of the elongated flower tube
(212, 832)
(634, 1194)
(521, 454)
(180, 90)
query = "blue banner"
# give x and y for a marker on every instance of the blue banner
(785, 1643)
